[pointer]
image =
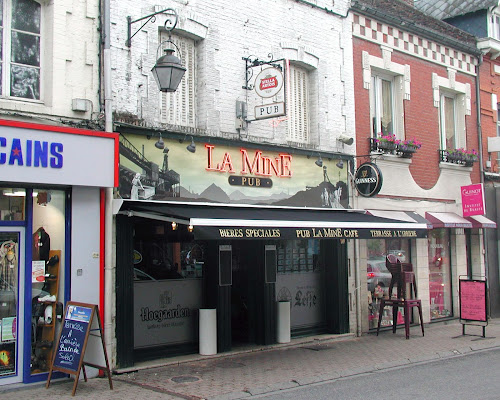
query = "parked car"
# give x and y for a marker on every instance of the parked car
(377, 272)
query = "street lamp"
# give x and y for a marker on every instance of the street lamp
(168, 70)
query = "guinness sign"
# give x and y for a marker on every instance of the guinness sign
(368, 179)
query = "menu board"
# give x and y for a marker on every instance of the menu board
(472, 296)
(72, 352)
(72, 339)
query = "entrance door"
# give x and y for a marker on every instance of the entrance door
(11, 304)
(243, 299)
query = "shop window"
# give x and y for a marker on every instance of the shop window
(162, 252)
(300, 281)
(9, 301)
(378, 277)
(440, 274)
(20, 30)
(168, 267)
(298, 105)
(178, 108)
(47, 274)
(12, 204)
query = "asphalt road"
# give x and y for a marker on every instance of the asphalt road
(472, 376)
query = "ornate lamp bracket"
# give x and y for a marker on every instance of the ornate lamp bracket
(170, 23)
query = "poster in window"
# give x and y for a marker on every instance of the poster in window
(7, 358)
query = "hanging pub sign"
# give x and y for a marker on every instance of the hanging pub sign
(269, 82)
(368, 179)
(266, 85)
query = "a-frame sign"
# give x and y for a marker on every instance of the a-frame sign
(80, 343)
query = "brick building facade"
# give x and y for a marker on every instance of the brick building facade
(407, 66)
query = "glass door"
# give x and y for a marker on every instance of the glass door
(11, 304)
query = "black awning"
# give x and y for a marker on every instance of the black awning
(217, 221)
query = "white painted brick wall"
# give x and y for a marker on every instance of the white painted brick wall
(70, 60)
(236, 30)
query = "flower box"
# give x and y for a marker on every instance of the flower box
(461, 156)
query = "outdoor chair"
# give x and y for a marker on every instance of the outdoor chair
(403, 276)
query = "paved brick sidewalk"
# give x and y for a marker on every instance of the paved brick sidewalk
(245, 375)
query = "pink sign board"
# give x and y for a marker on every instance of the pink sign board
(473, 200)
(473, 300)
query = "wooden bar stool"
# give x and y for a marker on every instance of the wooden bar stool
(404, 277)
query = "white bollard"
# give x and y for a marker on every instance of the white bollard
(283, 323)
(208, 331)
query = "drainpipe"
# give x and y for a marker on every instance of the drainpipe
(481, 167)
(357, 289)
(108, 211)
(357, 276)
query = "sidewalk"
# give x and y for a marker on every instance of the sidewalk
(247, 373)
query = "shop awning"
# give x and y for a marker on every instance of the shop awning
(447, 220)
(408, 216)
(222, 221)
(480, 221)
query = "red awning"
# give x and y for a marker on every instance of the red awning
(447, 220)
(480, 221)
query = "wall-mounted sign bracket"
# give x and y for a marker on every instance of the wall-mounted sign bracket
(253, 61)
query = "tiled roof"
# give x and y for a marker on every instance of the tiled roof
(397, 12)
(442, 9)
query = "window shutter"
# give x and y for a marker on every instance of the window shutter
(178, 108)
(298, 107)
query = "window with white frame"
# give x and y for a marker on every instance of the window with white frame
(495, 26)
(453, 100)
(389, 85)
(381, 105)
(20, 31)
(498, 119)
(447, 121)
(178, 108)
(298, 105)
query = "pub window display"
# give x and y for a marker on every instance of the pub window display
(296, 256)
(160, 254)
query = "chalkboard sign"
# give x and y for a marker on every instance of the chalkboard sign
(473, 300)
(80, 321)
(74, 332)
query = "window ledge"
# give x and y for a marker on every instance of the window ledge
(377, 155)
(454, 166)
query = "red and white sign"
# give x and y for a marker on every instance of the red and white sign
(473, 200)
(268, 82)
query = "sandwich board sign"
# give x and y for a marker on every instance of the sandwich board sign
(80, 343)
